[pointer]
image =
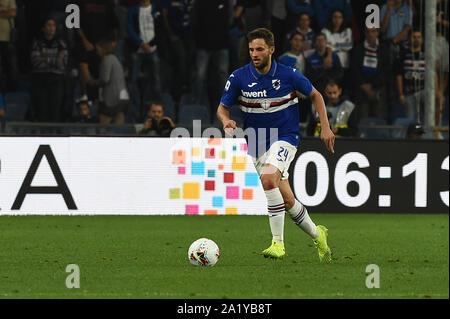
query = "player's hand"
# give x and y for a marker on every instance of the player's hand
(229, 126)
(327, 137)
(402, 99)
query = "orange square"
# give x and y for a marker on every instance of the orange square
(179, 157)
(247, 193)
(220, 167)
(214, 141)
(210, 212)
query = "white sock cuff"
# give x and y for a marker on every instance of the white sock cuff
(294, 210)
(275, 201)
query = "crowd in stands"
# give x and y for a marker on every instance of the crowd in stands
(157, 62)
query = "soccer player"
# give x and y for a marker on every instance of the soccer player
(266, 93)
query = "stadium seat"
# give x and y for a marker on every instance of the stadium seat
(187, 98)
(368, 132)
(169, 105)
(16, 104)
(401, 132)
(189, 112)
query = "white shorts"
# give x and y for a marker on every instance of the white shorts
(280, 154)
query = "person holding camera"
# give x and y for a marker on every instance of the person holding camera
(157, 124)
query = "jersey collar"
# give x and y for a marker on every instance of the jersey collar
(271, 72)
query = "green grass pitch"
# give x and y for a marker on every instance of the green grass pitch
(146, 257)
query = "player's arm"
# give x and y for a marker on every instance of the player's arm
(326, 134)
(229, 97)
(223, 114)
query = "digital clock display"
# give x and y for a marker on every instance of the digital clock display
(367, 176)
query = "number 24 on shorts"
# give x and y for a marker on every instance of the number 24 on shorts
(282, 154)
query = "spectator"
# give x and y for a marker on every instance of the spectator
(176, 17)
(297, 7)
(84, 113)
(340, 111)
(396, 22)
(295, 57)
(144, 38)
(303, 27)
(8, 60)
(114, 97)
(415, 131)
(278, 24)
(317, 71)
(156, 123)
(214, 16)
(255, 14)
(370, 70)
(98, 21)
(442, 53)
(49, 57)
(121, 11)
(236, 34)
(339, 37)
(324, 8)
(410, 77)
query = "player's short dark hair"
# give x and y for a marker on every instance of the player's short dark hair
(262, 33)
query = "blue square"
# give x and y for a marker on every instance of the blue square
(211, 173)
(251, 179)
(217, 201)
(198, 168)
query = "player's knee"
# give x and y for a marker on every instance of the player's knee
(269, 181)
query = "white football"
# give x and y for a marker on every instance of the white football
(203, 252)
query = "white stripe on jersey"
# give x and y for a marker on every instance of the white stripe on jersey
(272, 109)
(266, 100)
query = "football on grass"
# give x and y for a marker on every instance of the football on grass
(203, 252)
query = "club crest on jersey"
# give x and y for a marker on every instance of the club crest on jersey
(265, 105)
(276, 84)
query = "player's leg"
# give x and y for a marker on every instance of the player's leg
(270, 180)
(298, 212)
(270, 169)
(299, 215)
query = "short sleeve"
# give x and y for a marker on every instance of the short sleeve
(231, 91)
(301, 83)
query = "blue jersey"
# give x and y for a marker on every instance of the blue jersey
(267, 101)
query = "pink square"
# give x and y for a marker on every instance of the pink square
(244, 147)
(191, 209)
(233, 192)
(181, 170)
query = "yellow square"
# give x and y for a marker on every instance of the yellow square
(191, 190)
(196, 151)
(223, 154)
(174, 193)
(239, 163)
(231, 211)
